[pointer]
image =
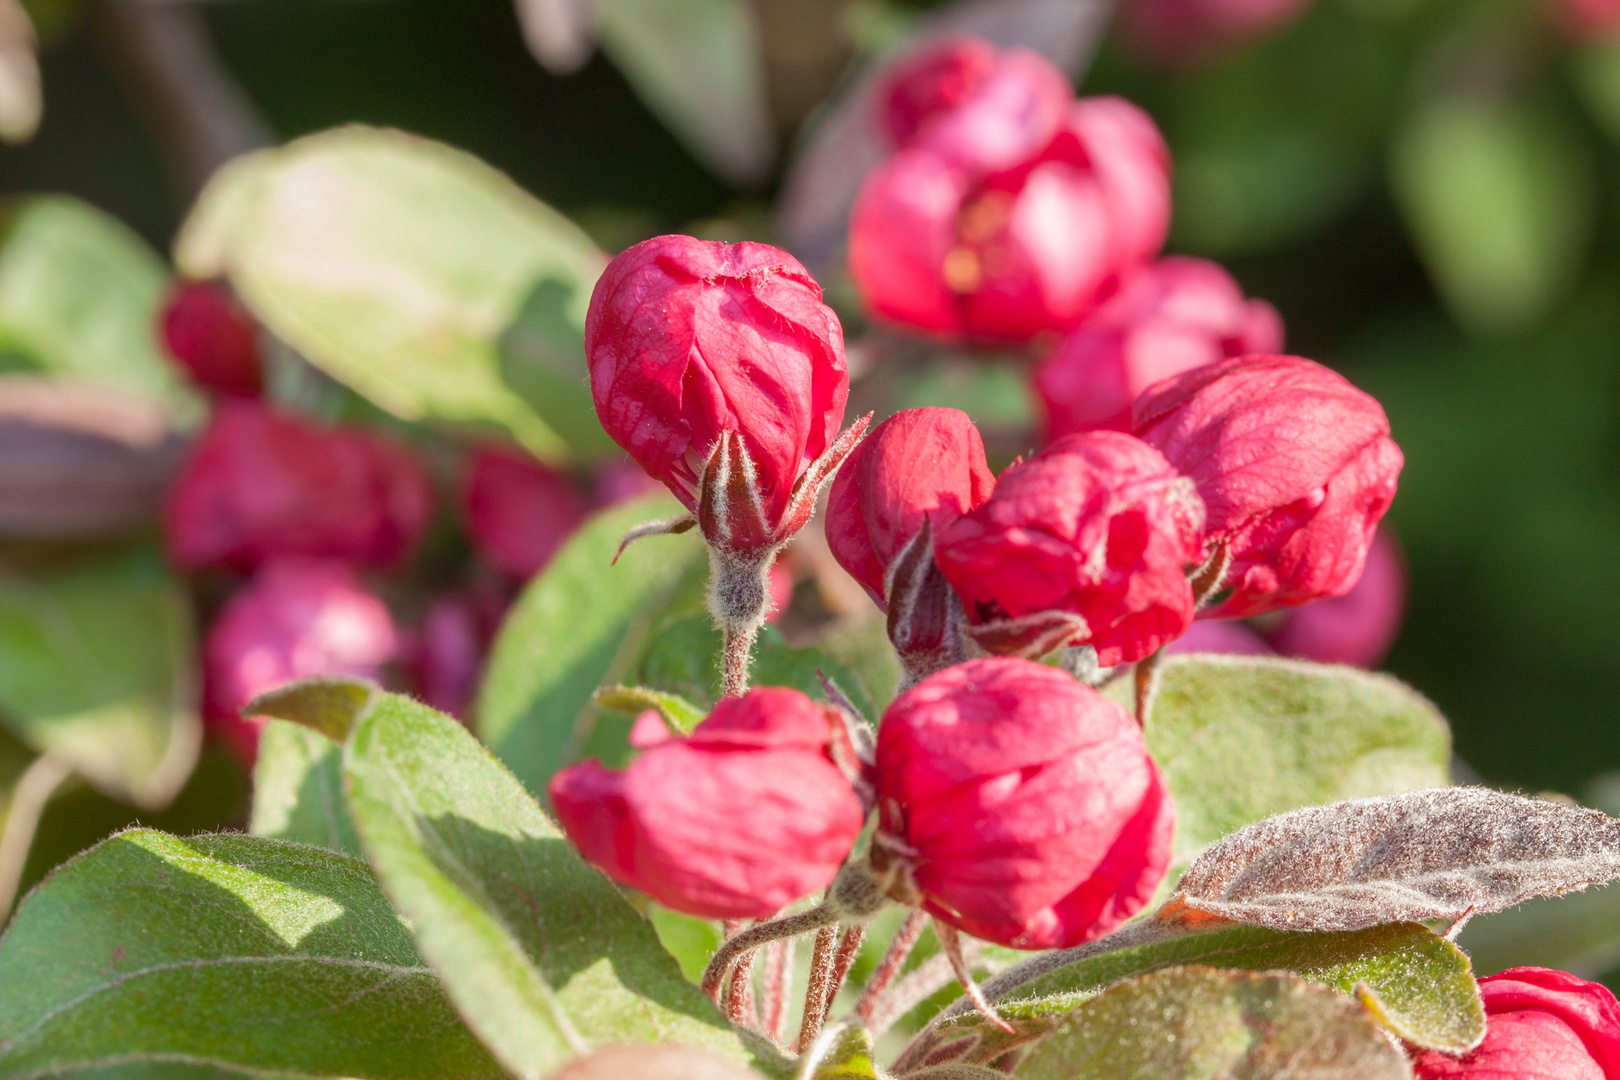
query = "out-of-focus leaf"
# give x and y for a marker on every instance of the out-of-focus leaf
(663, 1061)
(1189, 1022)
(79, 294)
(542, 358)
(229, 952)
(1499, 200)
(97, 667)
(864, 648)
(580, 623)
(541, 953)
(1242, 738)
(680, 713)
(298, 789)
(844, 145)
(1579, 933)
(690, 940)
(1420, 855)
(21, 101)
(80, 461)
(395, 264)
(696, 64)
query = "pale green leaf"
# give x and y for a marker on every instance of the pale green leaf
(298, 789)
(395, 264)
(681, 714)
(225, 953)
(1198, 1022)
(842, 1052)
(579, 624)
(541, 953)
(97, 667)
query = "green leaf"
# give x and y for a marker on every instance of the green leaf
(298, 789)
(230, 952)
(97, 667)
(542, 358)
(633, 700)
(842, 1052)
(1241, 739)
(325, 703)
(1500, 202)
(1197, 1022)
(79, 295)
(541, 953)
(580, 623)
(689, 939)
(682, 659)
(395, 264)
(696, 64)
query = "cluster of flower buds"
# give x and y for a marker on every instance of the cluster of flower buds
(1538, 1023)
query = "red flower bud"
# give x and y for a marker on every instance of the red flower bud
(740, 819)
(1538, 1024)
(1174, 315)
(1585, 20)
(258, 484)
(933, 81)
(213, 338)
(955, 237)
(1019, 805)
(919, 464)
(1356, 628)
(1295, 467)
(691, 340)
(295, 619)
(517, 511)
(1089, 543)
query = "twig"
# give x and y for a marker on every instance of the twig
(34, 789)
(894, 958)
(815, 992)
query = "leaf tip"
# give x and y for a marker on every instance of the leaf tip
(327, 704)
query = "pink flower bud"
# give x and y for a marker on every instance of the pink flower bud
(517, 511)
(919, 464)
(294, 619)
(1170, 317)
(446, 652)
(743, 817)
(1018, 805)
(1089, 543)
(1356, 628)
(1228, 638)
(1585, 21)
(1189, 31)
(206, 330)
(932, 81)
(1538, 1024)
(1295, 467)
(945, 243)
(259, 483)
(690, 340)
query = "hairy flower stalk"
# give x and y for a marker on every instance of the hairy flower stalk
(816, 997)
(888, 968)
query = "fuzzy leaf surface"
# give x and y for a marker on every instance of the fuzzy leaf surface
(1419, 855)
(223, 952)
(580, 623)
(98, 667)
(542, 954)
(681, 714)
(298, 789)
(394, 264)
(842, 1052)
(1198, 1022)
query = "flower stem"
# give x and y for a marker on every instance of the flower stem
(733, 949)
(905, 939)
(736, 650)
(778, 974)
(1147, 685)
(34, 789)
(849, 946)
(740, 994)
(950, 943)
(815, 994)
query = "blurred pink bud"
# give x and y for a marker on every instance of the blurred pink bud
(1357, 628)
(743, 817)
(649, 730)
(517, 511)
(932, 81)
(1018, 805)
(619, 481)
(1295, 467)
(214, 339)
(295, 618)
(945, 242)
(1190, 31)
(1229, 638)
(919, 464)
(258, 484)
(1170, 317)
(1586, 20)
(779, 585)
(446, 652)
(1089, 543)
(1538, 1024)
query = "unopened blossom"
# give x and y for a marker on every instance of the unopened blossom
(203, 327)
(1088, 543)
(1357, 628)
(1294, 464)
(1005, 217)
(737, 820)
(1188, 31)
(518, 511)
(1018, 805)
(691, 342)
(1539, 1025)
(1223, 637)
(446, 651)
(1172, 316)
(260, 483)
(294, 619)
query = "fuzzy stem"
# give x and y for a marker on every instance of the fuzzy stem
(759, 934)
(905, 939)
(34, 789)
(849, 946)
(740, 993)
(815, 994)
(735, 652)
(950, 943)
(778, 974)
(1147, 685)
(929, 977)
